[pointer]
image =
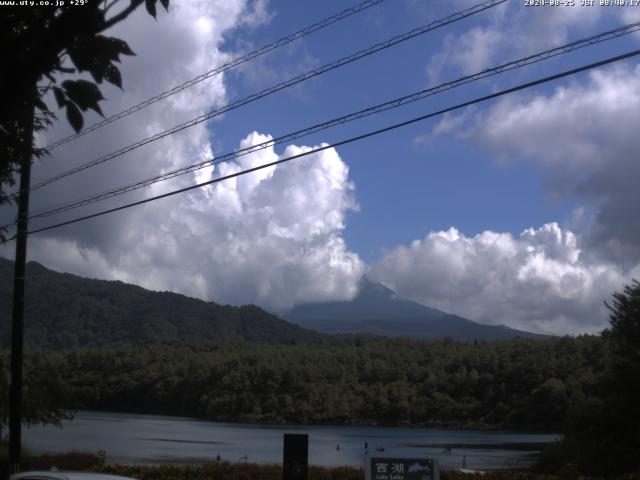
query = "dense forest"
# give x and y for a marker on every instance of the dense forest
(243, 364)
(516, 383)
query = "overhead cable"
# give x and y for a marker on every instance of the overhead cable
(531, 59)
(280, 86)
(222, 68)
(349, 140)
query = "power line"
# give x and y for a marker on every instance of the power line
(350, 140)
(227, 66)
(293, 81)
(531, 59)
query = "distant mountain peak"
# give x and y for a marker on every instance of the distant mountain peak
(377, 309)
(65, 310)
(367, 284)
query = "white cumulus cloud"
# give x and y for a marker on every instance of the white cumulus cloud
(537, 281)
(583, 136)
(273, 237)
(510, 31)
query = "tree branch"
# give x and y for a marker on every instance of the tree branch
(120, 16)
(108, 7)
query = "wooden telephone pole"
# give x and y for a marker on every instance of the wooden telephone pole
(17, 325)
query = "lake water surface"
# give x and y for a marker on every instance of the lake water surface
(152, 439)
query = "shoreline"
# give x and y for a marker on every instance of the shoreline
(524, 446)
(251, 471)
(151, 439)
(515, 428)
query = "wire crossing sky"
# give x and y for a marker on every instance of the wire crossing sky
(478, 8)
(515, 211)
(350, 140)
(531, 59)
(216, 71)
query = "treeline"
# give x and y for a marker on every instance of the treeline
(517, 383)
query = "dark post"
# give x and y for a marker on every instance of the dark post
(17, 326)
(295, 464)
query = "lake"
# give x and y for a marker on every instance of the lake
(153, 439)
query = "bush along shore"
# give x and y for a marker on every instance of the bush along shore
(517, 384)
(80, 461)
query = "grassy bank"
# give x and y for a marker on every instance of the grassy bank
(234, 471)
(226, 471)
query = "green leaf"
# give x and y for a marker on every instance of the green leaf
(83, 93)
(151, 7)
(96, 54)
(60, 98)
(42, 106)
(165, 4)
(81, 55)
(74, 116)
(120, 46)
(112, 75)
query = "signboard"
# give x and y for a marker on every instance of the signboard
(402, 469)
(295, 464)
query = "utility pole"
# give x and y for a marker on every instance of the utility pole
(17, 326)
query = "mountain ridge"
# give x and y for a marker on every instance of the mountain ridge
(378, 310)
(101, 313)
(67, 311)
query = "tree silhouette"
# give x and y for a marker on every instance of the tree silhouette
(38, 47)
(625, 327)
(42, 44)
(622, 383)
(603, 432)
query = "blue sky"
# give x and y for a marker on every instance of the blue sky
(517, 211)
(407, 181)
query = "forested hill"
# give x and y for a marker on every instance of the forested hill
(66, 311)
(509, 384)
